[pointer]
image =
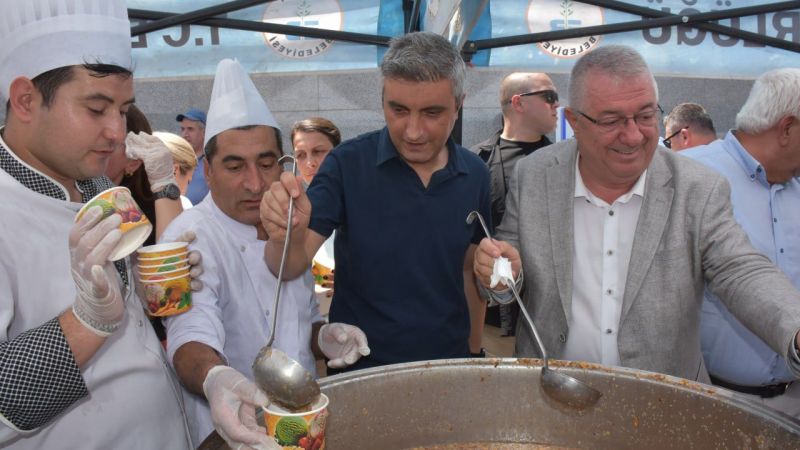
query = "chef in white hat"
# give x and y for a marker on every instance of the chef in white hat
(80, 365)
(215, 343)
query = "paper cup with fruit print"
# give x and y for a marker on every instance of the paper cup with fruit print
(167, 296)
(160, 251)
(320, 269)
(135, 226)
(298, 430)
(164, 260)
(166, 267)
(164, 275)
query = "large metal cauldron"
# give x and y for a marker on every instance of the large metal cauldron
(500, 400)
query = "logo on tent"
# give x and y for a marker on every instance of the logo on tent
(554, 15)
(326, 14)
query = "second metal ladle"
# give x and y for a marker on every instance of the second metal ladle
(283, 379)
(558, 386)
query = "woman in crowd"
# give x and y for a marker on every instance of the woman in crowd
(312, 140)
(184, 160)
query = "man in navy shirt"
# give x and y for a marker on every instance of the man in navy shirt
(398, 199)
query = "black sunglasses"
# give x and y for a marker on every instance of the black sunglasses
(668, 139)
(549, 96)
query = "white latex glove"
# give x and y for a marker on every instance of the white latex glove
(195, 260)
(98, 302)
(233, 400)
(343, 344)
(155, 155)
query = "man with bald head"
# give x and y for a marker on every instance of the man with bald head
(529, 102)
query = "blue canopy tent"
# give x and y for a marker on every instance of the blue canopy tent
(692, 38)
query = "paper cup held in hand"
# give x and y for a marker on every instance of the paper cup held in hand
(163, 250)
(319, 271)
(304, 430)
(164, 275)
(163, 260)
(165, 267)
(167, 296)
(135, 226)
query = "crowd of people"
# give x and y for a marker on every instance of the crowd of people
(627, 253)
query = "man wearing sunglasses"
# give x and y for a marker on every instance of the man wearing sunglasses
(529, 102)
(687, 126)
(619, 236)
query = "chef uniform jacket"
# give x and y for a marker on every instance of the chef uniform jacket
(233, 312)
(134, 400)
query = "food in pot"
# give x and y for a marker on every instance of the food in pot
(490, 446)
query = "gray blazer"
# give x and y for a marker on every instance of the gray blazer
(686, 236)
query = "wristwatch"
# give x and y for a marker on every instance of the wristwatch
(170, 191)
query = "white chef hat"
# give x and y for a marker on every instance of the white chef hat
(41, 35)
(235, 101)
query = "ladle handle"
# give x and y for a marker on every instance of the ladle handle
(530, 324)
(283, 255)
(470, 218)
(483, 224)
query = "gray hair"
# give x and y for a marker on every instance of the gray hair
(619, 61)
(693, 116)
(425, 56)
(775, 95)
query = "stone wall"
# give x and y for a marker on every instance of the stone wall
(352, 99)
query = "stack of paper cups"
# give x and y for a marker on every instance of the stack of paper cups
(164, 273)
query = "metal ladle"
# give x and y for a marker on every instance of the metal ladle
(558, 386)
(283, 379)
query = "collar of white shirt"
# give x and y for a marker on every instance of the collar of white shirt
(242, 231)
(582, 191)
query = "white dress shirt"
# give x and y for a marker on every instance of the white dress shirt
(233, 312)
(602, 248)
(186, 203)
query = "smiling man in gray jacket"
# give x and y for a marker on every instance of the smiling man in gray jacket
(617, 237)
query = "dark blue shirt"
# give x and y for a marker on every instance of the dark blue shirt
(400, 246)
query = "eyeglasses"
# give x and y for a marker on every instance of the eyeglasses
(668, 140)
(549, 96)
(614, 123)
